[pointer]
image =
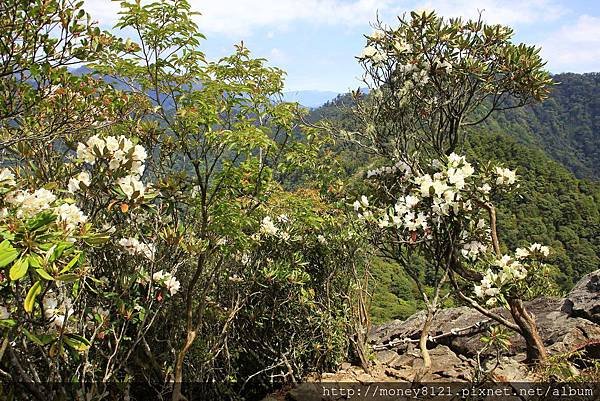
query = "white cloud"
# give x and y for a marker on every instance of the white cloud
(242, 17)
(277, 56)
(574, 47)
(103, 11)
(237, 18)
(506, 12)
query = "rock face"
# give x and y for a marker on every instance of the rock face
(563, 328)
(584, 299)
(568, 324)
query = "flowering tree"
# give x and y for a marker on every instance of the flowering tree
(433, 213)
(441, 214)
(432, 78)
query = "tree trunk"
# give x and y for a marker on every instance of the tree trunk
(536, 351)
(424, 338)
(177, 396)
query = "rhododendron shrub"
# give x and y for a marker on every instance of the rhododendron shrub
(431, 210)
(441, 214)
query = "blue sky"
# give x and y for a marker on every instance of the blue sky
(315, 41)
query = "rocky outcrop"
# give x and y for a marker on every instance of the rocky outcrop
(566, 324)
(584, 299)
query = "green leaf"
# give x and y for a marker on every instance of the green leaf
(19, 269)
(32, 337)
(33, 292)
(67, 277)
(71, 263)
(41, 220)
(7, 253)
(97, 239)
(76, 342)
(44, 274)
(35, 260)
(8, 323)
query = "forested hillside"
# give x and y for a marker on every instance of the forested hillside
(566, 126)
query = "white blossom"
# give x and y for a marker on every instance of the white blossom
(7, 177)
(542, 249)
(368, 52)
(131, 185)
(159, 275)
(56, 310)
(75, 182)
(521, 253)
(172, 285)
(377, 34)
(29, 204)
(473, 249)
(380, 57)
(70, 215)
(167, 280)
(134, 247)
(505, 176)
(283, 218)
(268, 227)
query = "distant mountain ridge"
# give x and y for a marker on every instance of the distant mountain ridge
(309, 98)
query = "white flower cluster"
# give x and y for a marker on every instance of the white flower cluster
(374, 55)
(80, 181)
(121, 153)
(505, 176)
(402, 215)
(534, 249)
(444, 186)
(167, 280)
(508, 270)
(399, 166)
(451, 188)
(134, 247)
(29, 204)
(473, 250)
(132, 186)
(70, 215)
(56, 309)
(362, 207)
(268, 227)
(402, 46)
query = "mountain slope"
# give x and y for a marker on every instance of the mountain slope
(566, 126)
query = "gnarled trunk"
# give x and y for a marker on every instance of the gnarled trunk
(424, 337)
(536, 351)
(178, 379)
